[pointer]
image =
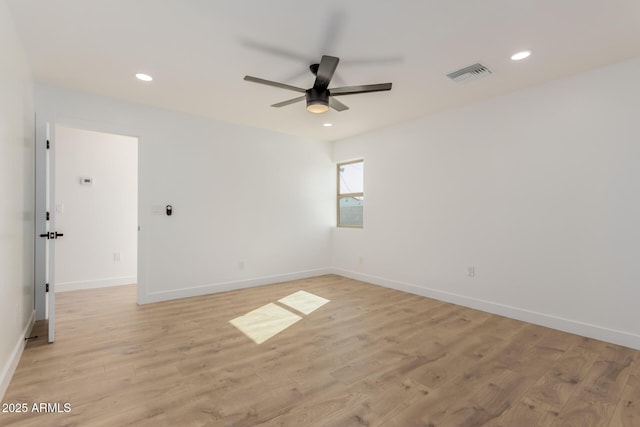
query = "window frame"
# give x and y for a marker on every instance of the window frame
(347, 195)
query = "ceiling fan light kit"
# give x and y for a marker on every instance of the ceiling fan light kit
(317, 102)
(320, 98)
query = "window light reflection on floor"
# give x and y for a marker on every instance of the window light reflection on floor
(270, 319)
(304, 302)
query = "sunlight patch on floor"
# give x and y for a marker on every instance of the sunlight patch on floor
(268, 320)
(304, 302)
(265, 322)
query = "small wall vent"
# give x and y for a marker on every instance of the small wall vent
(469, 74)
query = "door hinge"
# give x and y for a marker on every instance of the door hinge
(48, 216)
(46, 287)
(48, 144)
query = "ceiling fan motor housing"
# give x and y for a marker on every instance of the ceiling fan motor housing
(317, 98)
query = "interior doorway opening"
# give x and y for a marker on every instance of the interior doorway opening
(96, 207)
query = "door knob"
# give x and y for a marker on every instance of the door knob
(52, 235)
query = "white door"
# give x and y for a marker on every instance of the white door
(47, 233)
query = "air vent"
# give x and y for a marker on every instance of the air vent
(469, 74)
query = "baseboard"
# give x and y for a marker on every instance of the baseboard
(230, 286)
(93, 284)
(10, 367)
(622, 338)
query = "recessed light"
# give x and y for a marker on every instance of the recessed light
(144, 77)
(327, 125)
(521, 55)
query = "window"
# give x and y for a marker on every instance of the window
(350, 193)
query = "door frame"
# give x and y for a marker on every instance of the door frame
(40, 293)
(48, 115)
(44, 259)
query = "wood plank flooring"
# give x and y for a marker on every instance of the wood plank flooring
(370, 357)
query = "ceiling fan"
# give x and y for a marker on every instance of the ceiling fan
(319, 98)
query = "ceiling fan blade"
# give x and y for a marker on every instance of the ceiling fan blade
(271, 83)
(334, 31)
(337, 105)
(372, 61)
(291, 101)
(326, 69)
(350, 90)
(275, 50)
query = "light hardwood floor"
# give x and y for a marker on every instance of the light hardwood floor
(370, 357)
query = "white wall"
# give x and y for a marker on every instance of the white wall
(98, 220)
(240, 195)
(16, 203)
(539, 190)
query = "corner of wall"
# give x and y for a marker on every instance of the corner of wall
(14, 359)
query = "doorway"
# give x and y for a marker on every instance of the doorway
(96, 207)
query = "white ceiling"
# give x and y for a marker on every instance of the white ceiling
(198, 51)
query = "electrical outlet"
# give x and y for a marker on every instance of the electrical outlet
(240, 265)
(471, 271)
